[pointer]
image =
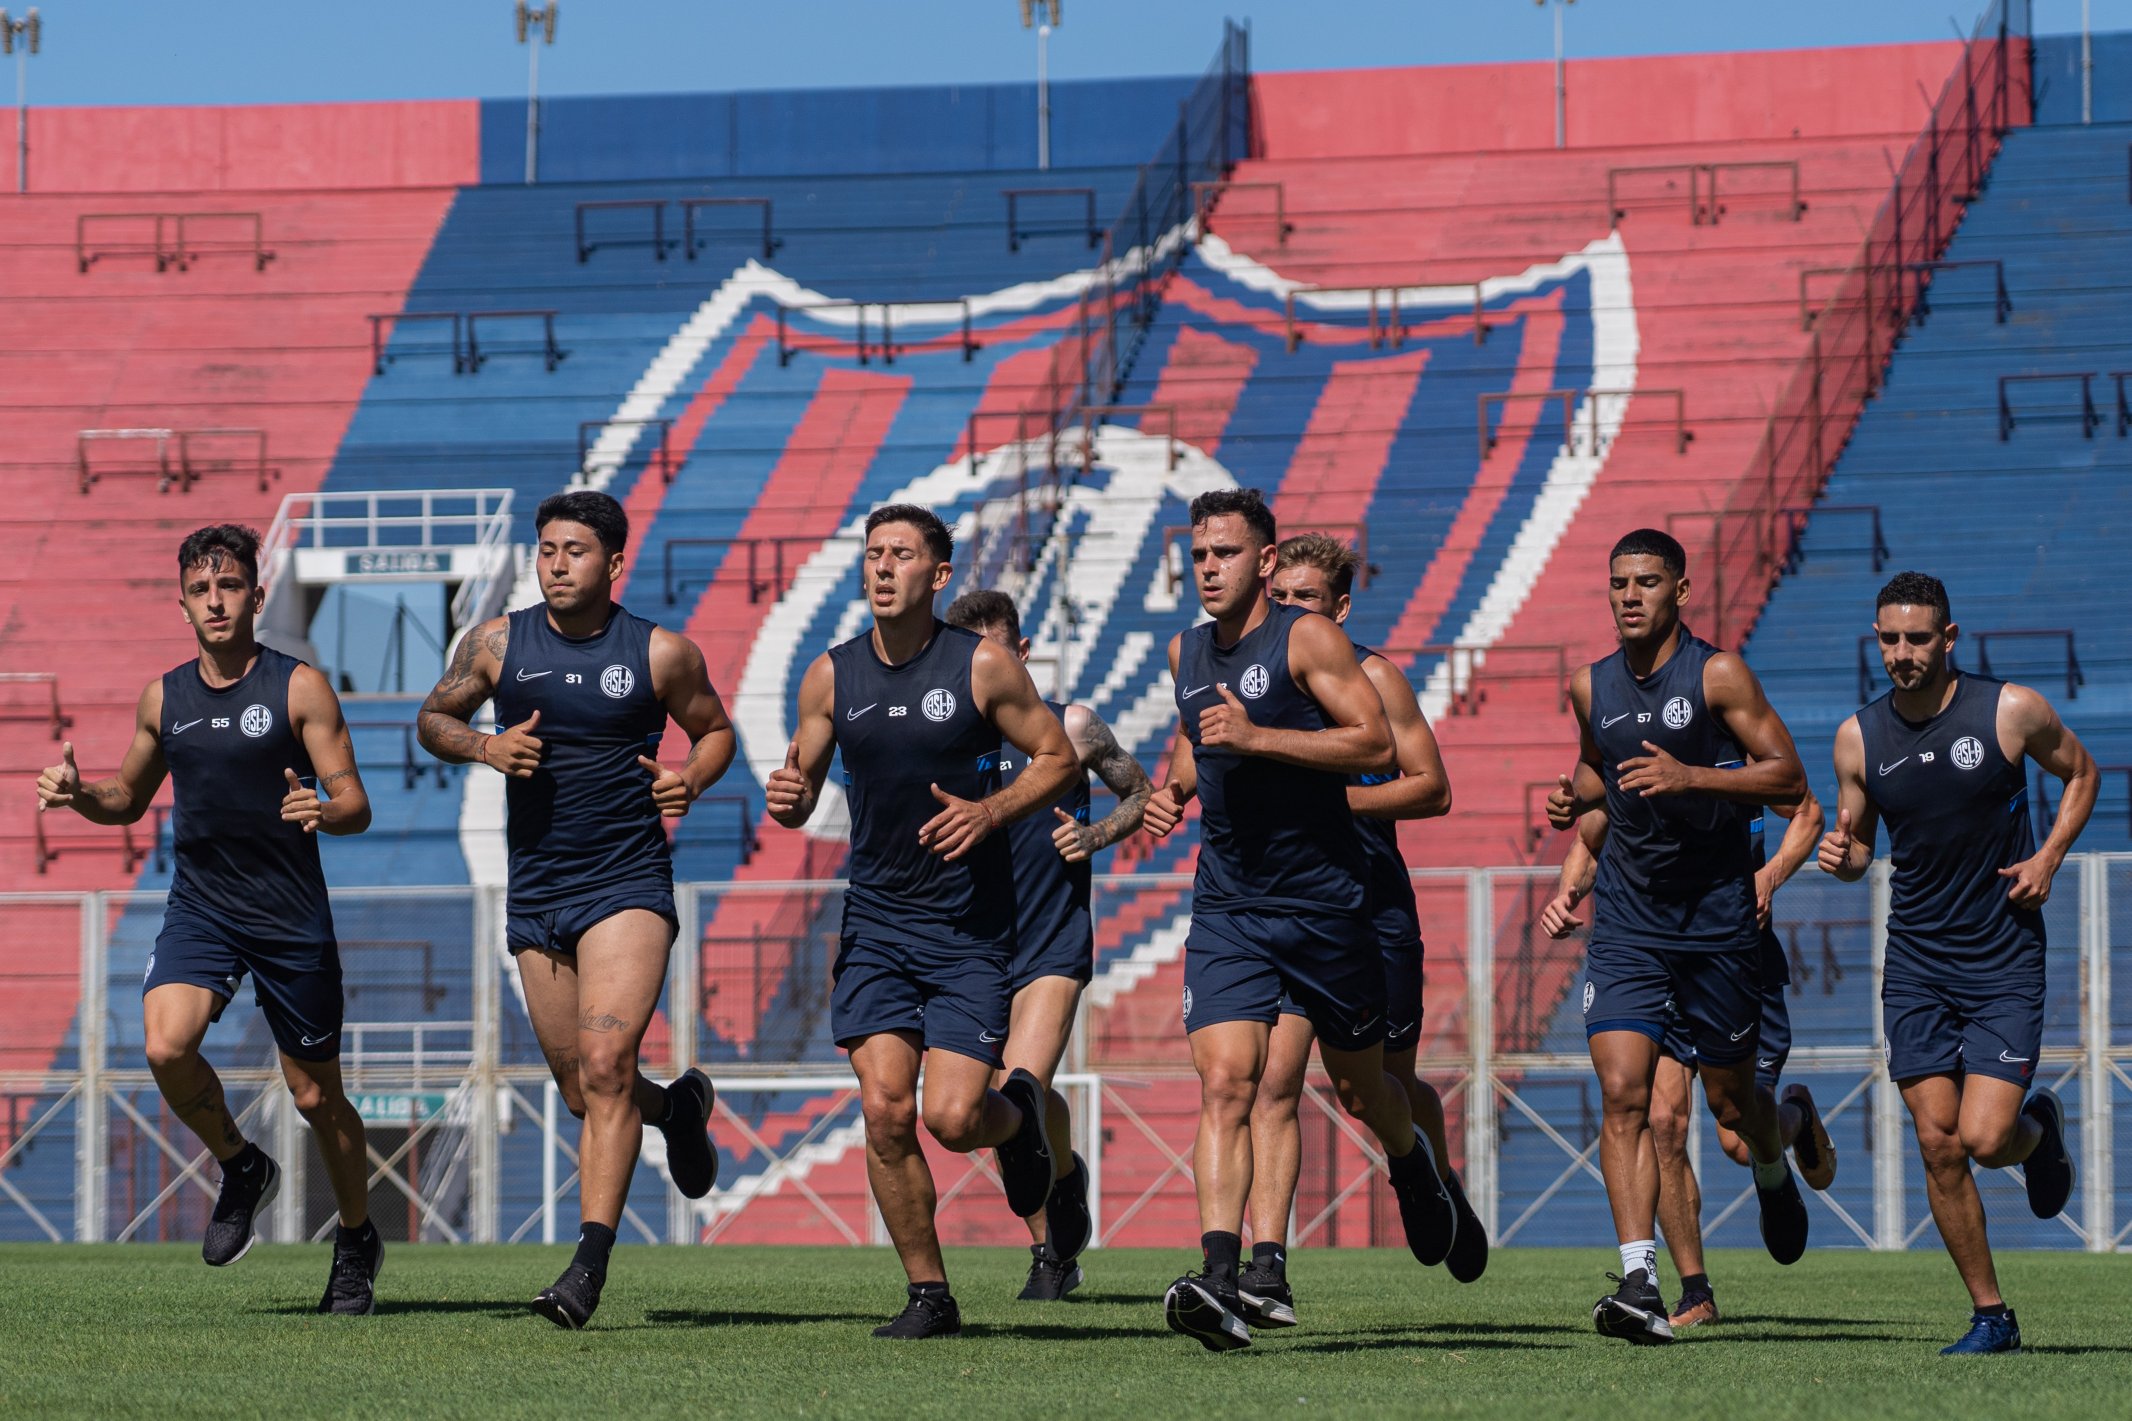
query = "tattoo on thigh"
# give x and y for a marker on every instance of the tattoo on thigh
(601, 1021)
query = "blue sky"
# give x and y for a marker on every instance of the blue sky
(279, 51)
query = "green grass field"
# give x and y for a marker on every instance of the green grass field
(150, 1331)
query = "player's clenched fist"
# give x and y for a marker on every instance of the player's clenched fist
(1559, 917)
(1562, 803)
(59, 784)
(1228, 726)
(301, 805)
(1165, 811)
(960, 826)
(786, 792)
(1834, 855)
(1075, 841)
(515, 752)
(668, 790)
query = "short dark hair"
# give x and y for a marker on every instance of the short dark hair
(208, 547)
(938, 540)
(981, 611)
(1916, 589)
(597, 511)
(1248, 503)
(1650, 543)
(1327, 554)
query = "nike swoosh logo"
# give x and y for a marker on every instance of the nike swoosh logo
(1741, 1032)
(1623, 716)
(855, 714)
(2013, 1060)
(985, 1036)
(181, 729)
(316, 1040)
(525, 675)
(1885, 768)
(1194, 691)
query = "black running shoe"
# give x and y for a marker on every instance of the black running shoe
(691, 1158)
(1468, 1258)
(230, 1227)
(1812, 1151)
(1425, 1208)
(1067, 1221)
(349, 1288)
(924, 1316)
(1784, 1222)
(1025, 1160)
(1633, 1312)
(1050, 1276)
(1263, 1297)
(1206, 1308)
(2049, 1168)
(571, 1299)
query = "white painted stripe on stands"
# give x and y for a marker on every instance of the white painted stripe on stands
(1162, 946)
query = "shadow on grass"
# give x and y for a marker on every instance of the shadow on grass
(741, 1317)
(1059, 1331)
(1434, 1343)
(2068, 1350)
(492, 1307)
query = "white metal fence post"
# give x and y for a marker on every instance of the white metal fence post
(92, 1132)
(1481, 1181)
(485, 1185)
(683, 989)
(2097, 1096)
(1889, 1229)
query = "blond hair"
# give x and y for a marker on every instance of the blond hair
(1327, 554)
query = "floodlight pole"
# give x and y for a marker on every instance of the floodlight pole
(22, 38)
(1050, 10)
(1561, 86)
(2087, 62)
(536, 27)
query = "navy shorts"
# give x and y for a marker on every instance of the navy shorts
(953, 999)
(1402, 997)
(1953, 1026)
(559, 929)
(1071, 953)
(1770, 1055)
(297, 984)
(1242, 966)
(1717, 996)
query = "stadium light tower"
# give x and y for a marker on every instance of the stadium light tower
(1561, 132)
(1049, 9)
(22, 38)
(530, 18)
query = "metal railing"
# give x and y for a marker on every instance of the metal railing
(1862, 313)
(437, 521)
(174, 239)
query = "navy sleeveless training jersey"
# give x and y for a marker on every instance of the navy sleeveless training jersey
(1957, 812)
(1050, 894)
(237, 863)
(1389, 887)
(1272, 835)
(1678, 869)
(901, 730)
(585, 822)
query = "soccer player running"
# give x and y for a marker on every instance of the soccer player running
(1054, 937)
(919, 710)
(1680, 1198)
(1680, 746)
(250, 738)
(1317, 573)
(1276, 715)
(1939, 758)
(584, 690)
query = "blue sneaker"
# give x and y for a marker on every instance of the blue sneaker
(1987, 1335)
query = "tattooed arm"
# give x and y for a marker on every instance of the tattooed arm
(443, 724)
(116, 799)
(1095, 748)
(338, 804)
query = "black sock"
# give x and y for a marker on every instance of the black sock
(665, 1116)
(1995, 1310)
(1270, 1258)
(594, 1243)
(1414, 1164)
(1221, 1252)
(938, 1292)
(1694, 1283)
(361, 1233)
(245, 1160)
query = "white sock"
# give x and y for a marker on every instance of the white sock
(1771, 1175)
(1641, 1254)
